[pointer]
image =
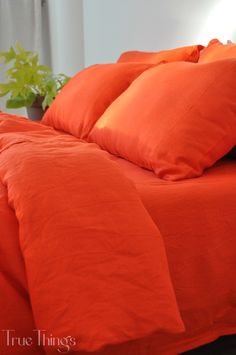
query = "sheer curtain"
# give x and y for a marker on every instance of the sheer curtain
(23, 20)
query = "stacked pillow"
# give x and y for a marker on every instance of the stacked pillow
(188, 54)
(217, 51)
(176, 119)
(87, 95)
(84, 99)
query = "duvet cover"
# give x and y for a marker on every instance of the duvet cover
(82, 264)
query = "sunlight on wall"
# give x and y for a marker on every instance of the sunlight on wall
(220, 23)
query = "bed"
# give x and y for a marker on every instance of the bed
(202, 212)
(195, 218)
(117, 212)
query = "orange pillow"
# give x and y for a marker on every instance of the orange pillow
(188, 54)
(84, 99)
(176, 119)
(217, 51)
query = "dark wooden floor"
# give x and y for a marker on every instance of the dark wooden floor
(222, 346)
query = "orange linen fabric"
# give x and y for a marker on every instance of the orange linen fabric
(217, 51)
(176, 119)
(197, 220)
(188, 54)
(84, 99)
(16, 312)
(95, 261)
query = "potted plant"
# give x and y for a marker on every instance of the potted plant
(29, 84)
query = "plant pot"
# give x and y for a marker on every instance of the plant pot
(36, 112)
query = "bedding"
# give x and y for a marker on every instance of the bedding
(16, 312)
(196, 218)
(97, 249)
(86, 96)
(176, 119)
(187, 53)
(217, 51)
(81, 259)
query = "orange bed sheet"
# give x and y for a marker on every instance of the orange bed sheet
(197, 219)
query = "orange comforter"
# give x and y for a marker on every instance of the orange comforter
(197, 220)
(82, 264)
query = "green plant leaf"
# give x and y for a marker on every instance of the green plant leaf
(27, 79)
(8, 56)
(4, 89)
(46, 102)
(44, 68)
(19, 48)
(21, 101)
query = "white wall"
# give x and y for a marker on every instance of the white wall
(66, 35)
(113, 26)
